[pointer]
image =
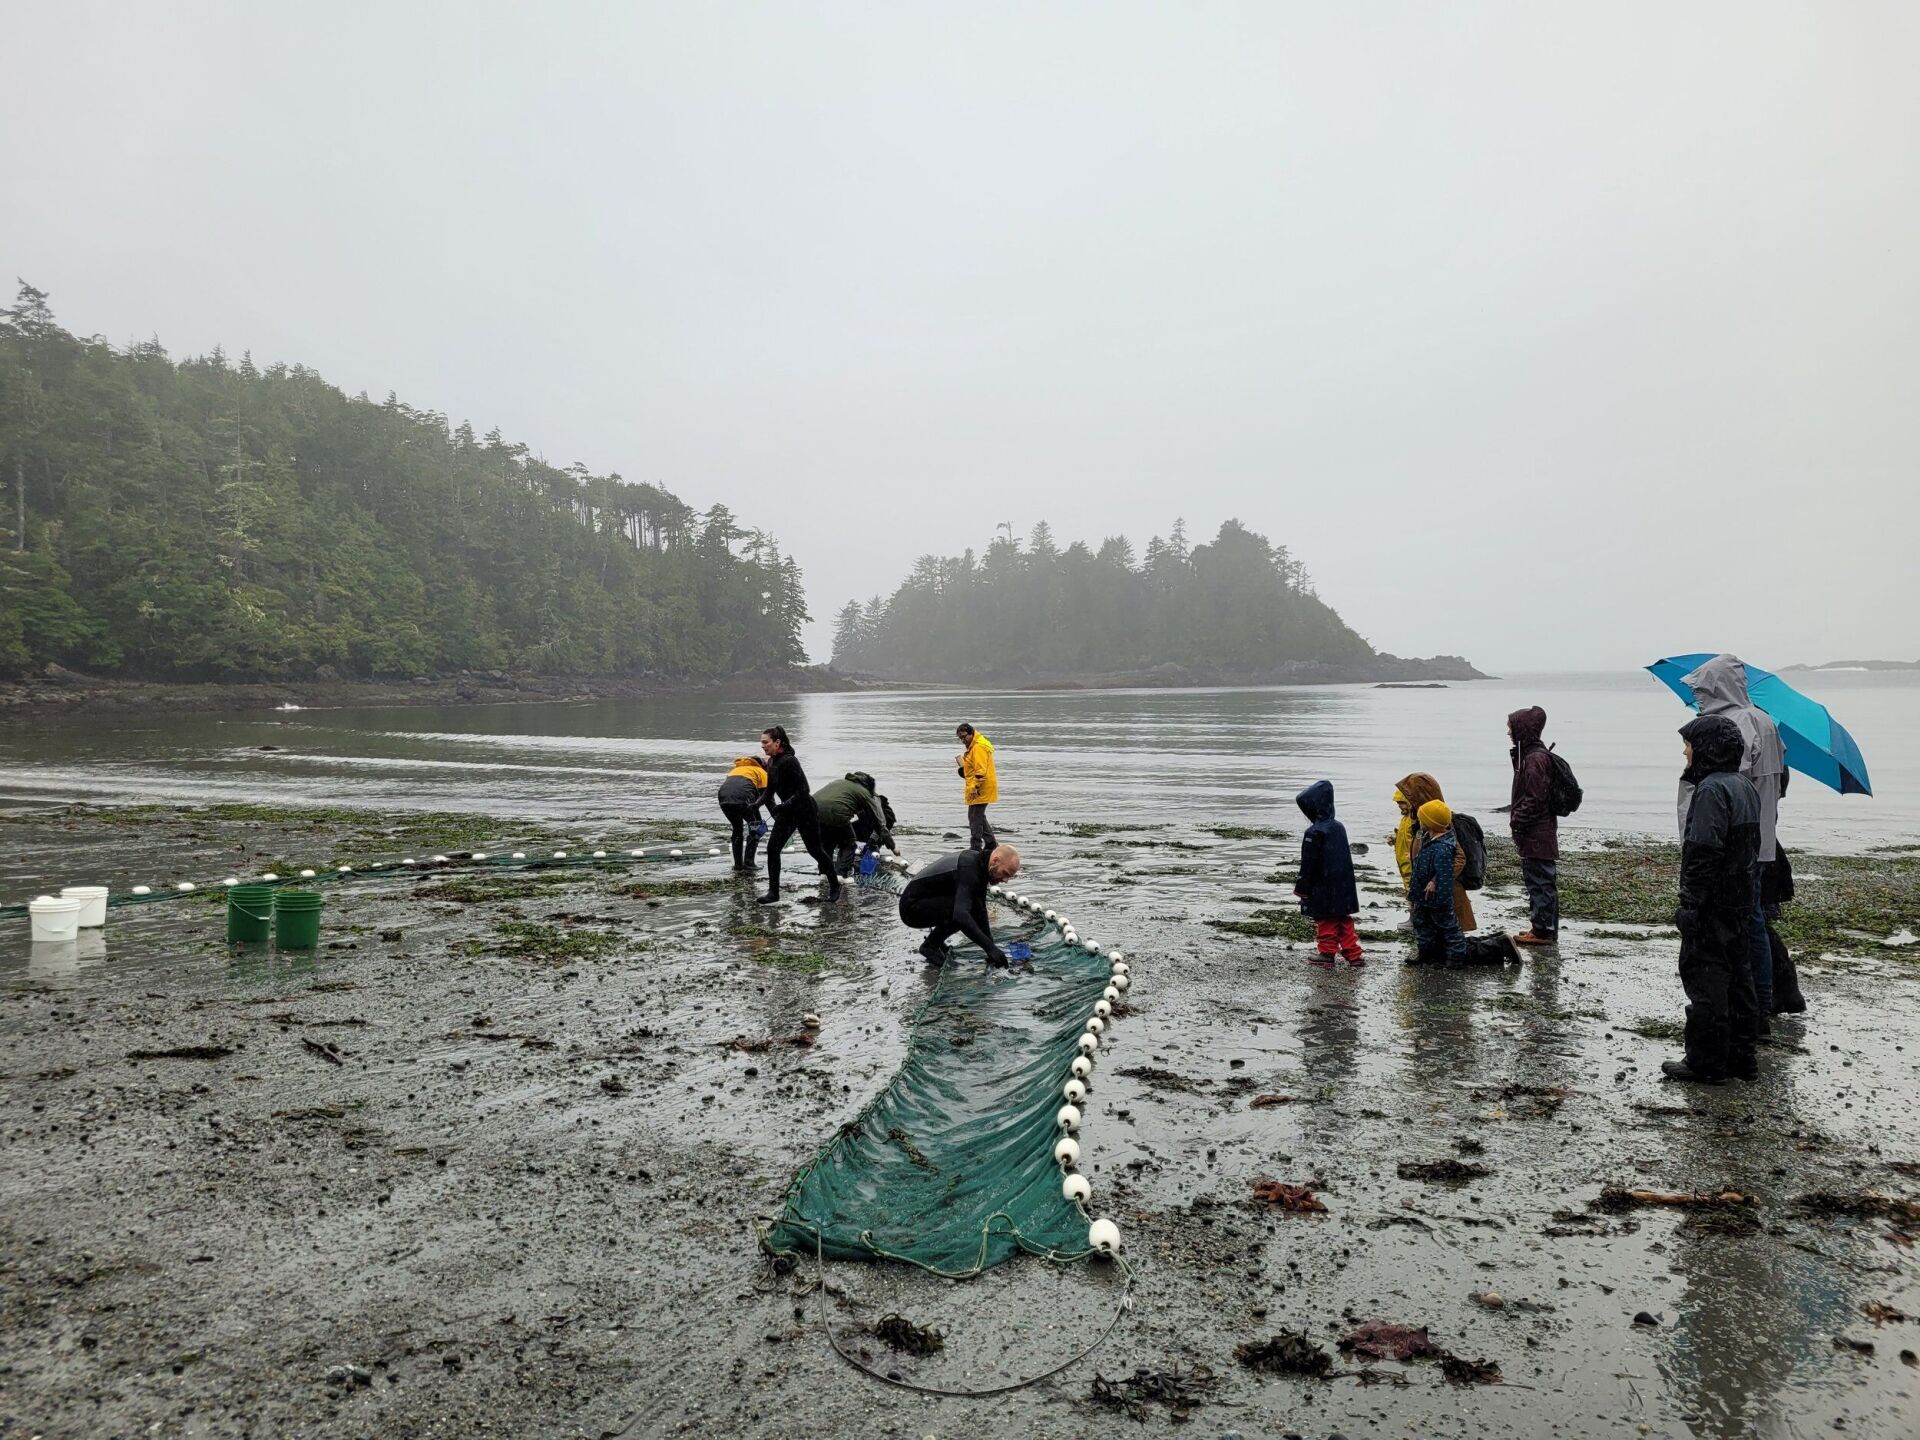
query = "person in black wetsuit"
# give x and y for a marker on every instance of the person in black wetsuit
(950, 894)
(791, 801)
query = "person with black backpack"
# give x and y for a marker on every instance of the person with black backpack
(1469, 865)
(1419, 788)
(1535, 824)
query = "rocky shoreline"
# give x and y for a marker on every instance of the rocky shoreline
(61, 692)
(68, 692)
(1381, 669)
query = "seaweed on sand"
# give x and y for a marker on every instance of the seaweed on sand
(1288, 1353)
(902, 1334)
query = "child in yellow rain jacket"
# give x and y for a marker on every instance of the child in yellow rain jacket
(1402, 838)
(975, 764)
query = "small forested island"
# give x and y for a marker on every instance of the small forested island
(1857, 665)
(208, 520)
(1235, 610)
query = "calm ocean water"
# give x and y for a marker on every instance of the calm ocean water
(1194, 756)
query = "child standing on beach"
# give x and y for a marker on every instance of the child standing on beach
(1326, 888)
(1436, 927)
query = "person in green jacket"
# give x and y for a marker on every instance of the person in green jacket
(851, 813)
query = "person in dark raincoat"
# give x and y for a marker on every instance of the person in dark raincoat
(1720, 688)
(849, 815)
(1776, 890)
(1326, 887)
(1536, 830)
(1717, 857)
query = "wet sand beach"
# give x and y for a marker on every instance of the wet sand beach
(492, 1158)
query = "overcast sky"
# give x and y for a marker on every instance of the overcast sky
(1554, 335)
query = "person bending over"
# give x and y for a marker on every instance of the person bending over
(741, 795)
(793, 813)
(950, 895)
(850, 815)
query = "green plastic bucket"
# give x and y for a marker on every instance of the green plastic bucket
(249, 912)
(296, 919)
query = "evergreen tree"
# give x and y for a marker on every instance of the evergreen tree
(202, 520)
(1239, 604)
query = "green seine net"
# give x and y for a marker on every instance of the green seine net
(951, 1166)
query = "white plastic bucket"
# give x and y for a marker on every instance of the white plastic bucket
(54, 918)
(93, 904)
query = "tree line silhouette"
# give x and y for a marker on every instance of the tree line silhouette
(203, 519)
(1238, 605)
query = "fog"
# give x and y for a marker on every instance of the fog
(1557, 336)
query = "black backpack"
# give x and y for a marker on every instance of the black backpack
(1564, 793)
(1473, 844)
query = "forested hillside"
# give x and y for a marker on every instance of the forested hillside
(1239, 605)
(205, 519)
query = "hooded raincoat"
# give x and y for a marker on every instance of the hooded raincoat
(1536, 831)
(976, 768)
(849, 810)
(1402, 838)
(1419, 788)
(1326, 886)
(1720, 688)
(1717, 850)
(745, 784)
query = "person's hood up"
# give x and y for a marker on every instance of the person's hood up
(1419, 788)
(1718, 747)
(1527, 725)
(1316, 801)
(862, 779)
(1719, 685)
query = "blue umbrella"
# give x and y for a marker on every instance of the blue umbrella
(1816, 743)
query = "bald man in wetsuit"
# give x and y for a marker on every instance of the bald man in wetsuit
(950, 894)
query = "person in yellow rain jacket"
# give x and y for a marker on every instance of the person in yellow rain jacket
(975, 764)
(741, 795)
